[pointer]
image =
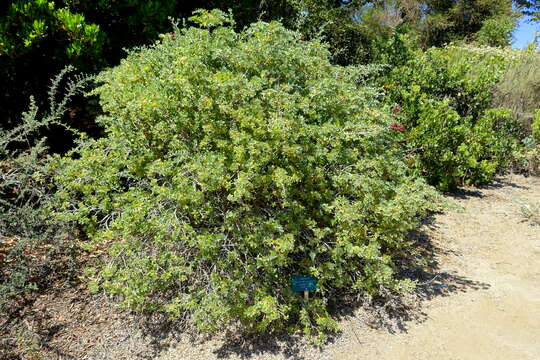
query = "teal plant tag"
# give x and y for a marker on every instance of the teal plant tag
(304, 283)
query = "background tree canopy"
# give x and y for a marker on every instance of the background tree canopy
(530, 7)
(39, 37)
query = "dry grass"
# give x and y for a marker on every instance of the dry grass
(519, 88)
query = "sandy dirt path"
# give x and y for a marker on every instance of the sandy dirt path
(491, 309)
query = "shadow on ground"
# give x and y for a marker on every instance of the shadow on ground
(476, 191)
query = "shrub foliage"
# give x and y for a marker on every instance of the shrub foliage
(32, 250)
(445, 98)
(233, 161)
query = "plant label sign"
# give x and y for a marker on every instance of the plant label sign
(304, 283)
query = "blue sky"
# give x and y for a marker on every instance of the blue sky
(524, 33)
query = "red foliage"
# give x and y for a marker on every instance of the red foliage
(397, 127)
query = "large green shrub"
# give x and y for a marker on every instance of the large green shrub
(465, 76)
(450, 150)
(233, 161)
(454, 136)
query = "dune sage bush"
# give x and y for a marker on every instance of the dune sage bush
(232, 161)
(33, 250)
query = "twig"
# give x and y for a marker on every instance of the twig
(429, 281)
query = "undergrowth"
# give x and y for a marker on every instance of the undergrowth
(33, 249)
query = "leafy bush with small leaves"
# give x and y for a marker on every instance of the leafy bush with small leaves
(450, 150)
(465, 76)
(233, 161)
(454, 136)
(526, 159)
(28, 23)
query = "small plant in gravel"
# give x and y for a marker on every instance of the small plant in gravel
(232, 162)
(531, 212)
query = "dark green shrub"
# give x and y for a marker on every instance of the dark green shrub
(450, 150)
(28, 23)
(233, 161)
(40, 37)
(497, 31)
(535, 127)
(37, 39)
(446, 94)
